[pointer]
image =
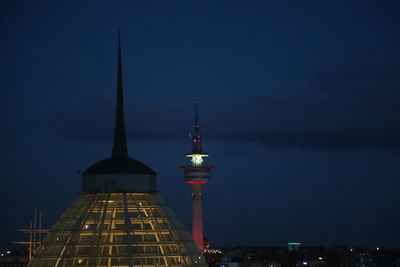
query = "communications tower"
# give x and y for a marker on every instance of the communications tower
(197, 175)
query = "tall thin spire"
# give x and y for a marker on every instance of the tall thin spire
(120, 149)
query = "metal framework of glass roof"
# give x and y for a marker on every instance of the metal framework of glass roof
(118, 229)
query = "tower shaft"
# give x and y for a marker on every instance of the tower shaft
(197, 215)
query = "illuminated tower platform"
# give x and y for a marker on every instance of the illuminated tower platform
(119, 219)
(197, 175)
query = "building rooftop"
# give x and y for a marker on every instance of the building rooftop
(115, 165)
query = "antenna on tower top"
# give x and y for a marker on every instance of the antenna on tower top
(196, 113)
(196, 134)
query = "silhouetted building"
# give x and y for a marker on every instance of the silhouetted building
(14, 258)
(308, 257)
(119, 218)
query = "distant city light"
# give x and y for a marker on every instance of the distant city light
(213, 251)
(305, 263)
(377, 248)
(320, 258)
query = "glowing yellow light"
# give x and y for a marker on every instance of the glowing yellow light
(191, 155)
(197, 159)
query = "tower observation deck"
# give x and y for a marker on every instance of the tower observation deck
(197, 174)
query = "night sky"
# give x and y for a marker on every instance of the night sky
(299, 107)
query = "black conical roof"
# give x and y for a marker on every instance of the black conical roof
(124, 165)
(119, 162)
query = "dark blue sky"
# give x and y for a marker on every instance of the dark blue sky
(299, 109)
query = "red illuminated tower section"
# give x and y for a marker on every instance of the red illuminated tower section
(197, 175)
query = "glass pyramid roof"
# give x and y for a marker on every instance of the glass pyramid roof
(118, 229)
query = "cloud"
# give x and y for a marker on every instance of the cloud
(352, 108)
(356, 107)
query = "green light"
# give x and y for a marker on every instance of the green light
(294, 244)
